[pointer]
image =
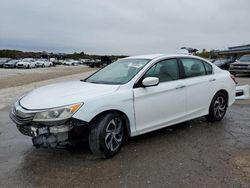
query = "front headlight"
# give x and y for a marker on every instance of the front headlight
(57, 114)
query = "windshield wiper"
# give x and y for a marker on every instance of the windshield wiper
(102, 82)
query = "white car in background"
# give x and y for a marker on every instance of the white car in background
(129, 97)
(26, 63)
(71, 62)
(43, 63)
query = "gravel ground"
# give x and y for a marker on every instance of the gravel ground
(18, 77)
(9, 95)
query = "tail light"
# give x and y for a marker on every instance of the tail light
(233, 78)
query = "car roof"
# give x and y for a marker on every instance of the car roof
(153, 56)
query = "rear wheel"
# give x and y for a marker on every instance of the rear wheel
(106, 135)
(218, 107)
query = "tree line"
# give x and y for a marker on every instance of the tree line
(17, 54)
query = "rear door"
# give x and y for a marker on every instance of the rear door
(160, 105)
(200, 83)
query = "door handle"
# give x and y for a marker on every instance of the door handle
(211, 80)
(180, 87)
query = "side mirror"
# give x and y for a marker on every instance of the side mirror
(150, 81)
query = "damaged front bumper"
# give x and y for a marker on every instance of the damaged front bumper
(48, 134)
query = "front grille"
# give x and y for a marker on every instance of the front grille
(241, 65)
(21, 113)
(21, 116)
(240, 68)
(20, 120)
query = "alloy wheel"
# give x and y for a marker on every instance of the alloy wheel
(114, 134)
(220, 107)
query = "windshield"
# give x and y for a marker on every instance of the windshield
(245, 58)
(13, 61)
(119, 72)
(28, 60)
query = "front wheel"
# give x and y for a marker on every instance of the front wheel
(106, 135)
(218, 107)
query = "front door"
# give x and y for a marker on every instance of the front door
(164, 104)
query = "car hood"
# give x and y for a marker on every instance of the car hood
(10, 63)
(64, 93)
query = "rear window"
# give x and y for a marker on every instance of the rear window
(193, 67)
(209, 69)
(196, 67)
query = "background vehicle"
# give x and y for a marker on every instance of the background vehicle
(3, 61)
(26, 63)
(54, 61)
(71, 62)
(242, 66)
(104, 61)
(95, 63)
(129, 97)
(223, 63)
(43, 63)
(11, 63)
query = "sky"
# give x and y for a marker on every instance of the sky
(119, 27)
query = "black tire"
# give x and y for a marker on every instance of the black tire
(106, 135)
(43, 66)
(218, 107)
(28, 66)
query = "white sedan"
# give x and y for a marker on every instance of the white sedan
(71, 62)
(26, 63)
(129, 97)
(43, 63)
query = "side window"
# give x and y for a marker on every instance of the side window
(193, 67)
(166, 70)
(209, 69)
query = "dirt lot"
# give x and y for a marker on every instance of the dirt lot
(191, 154)
(18, 77)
